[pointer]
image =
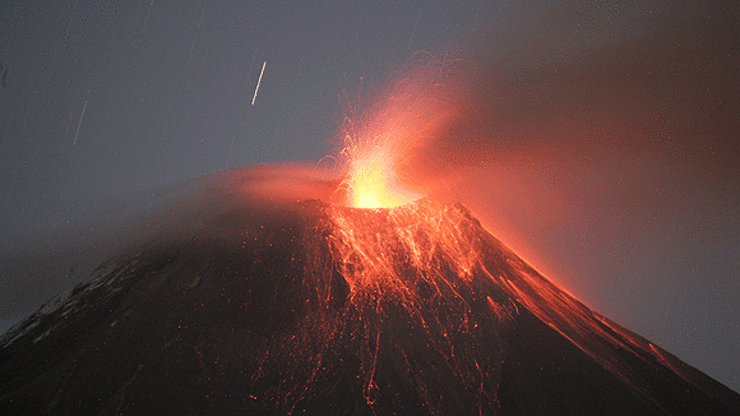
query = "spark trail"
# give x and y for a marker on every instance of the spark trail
(146, 18)
(414, 30)
(197, 30)
(259, 80)
(249, 74)
(79, 124)
(69, 22)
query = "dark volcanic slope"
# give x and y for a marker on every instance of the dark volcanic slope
(311, 308)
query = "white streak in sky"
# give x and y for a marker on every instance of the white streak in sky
(80, 123)
(250, 66)
(258, 82)
(146, 18)
(197, 30)
(414, 31)
(69, 23)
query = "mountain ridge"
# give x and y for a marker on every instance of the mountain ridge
(308, 306)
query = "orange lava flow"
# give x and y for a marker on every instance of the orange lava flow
(379, 248)
(419, 295)
(453, 293)
(411, 300)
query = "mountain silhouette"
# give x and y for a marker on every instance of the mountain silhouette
(279, 306)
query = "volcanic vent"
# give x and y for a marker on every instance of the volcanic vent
(306, 307)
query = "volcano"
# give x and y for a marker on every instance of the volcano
(305, 307)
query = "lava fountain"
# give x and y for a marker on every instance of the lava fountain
(381, 136)
(372, 184)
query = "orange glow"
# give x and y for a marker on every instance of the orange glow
(372, 183)
(413, 265)
(369, 244)
(382, 137)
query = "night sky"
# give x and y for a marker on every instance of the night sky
(598, 139)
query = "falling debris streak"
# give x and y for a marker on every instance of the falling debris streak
(69, 22)
(665, 316)
(414, 30)
(16, 154)
(321, 48)
(249, 74)
(369, 382)
(146, 18)
(257, 88)
(79, 124)
(62, 169)
(197, 31)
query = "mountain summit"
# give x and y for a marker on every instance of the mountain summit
(311, 308)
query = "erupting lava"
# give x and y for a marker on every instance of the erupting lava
(372, 183)
(381, 143)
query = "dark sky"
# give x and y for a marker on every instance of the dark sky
(599, 139)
